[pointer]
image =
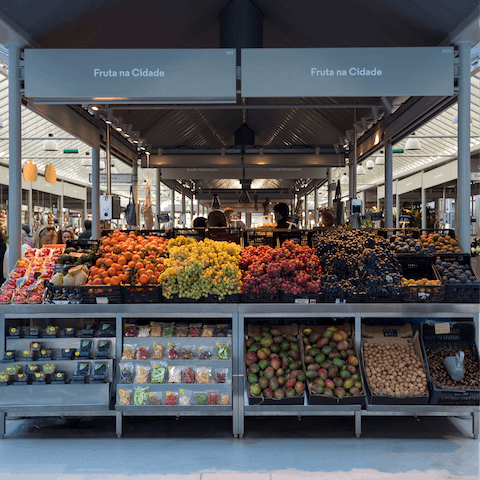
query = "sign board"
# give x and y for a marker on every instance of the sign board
(347, 72)
(163, 218)
(375, 216)
(116, 178)
(475, 176)
(199, 173)
(285, 172)
(130, 76)
(405, 218)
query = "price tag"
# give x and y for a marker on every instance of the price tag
(200, 350)
(442, 328)
(152, 324)
(102, 300)
(13, 330)
(122, 367)
(77, 354)
(120, 392)
(155, 345)
(170, 367)
(59, 375)
(169, 344)
(150, 394)
(9, 354)
(301, 301)
(168, 394)
(35, 345)
(67, 350)
(26, 352)
(43, 352)
(69, 329)
(182, 391)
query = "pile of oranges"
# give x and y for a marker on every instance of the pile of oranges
(128, 259)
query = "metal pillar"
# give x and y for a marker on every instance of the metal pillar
(134, 191)
(198, 208)
(329, 182)
(305, 213)
(352, 169)
(462, 213)
(184, 212)
(109, 162)
(85, 211)
(378, 201)
(424, 206)
(30, 207)
(397, 206)
(158, 200)
(15, 155)
(173, 208)
(95, 193)
(60, 209)
(315, 205)
(388, 184)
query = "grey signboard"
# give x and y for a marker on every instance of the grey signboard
(347, 72)
(130, 76)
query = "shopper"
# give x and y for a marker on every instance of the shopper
(281, 212)
(216, 218)
(3, 250)
(45, 235)
(200, 222)
(26, 245)
(87, 233)
(26, 229)
(66, 235)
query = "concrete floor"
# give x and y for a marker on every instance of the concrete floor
(391, 448)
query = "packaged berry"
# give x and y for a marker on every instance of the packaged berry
(173, 351)
(36, 346)
(82, 369)
(220, 375)
(212, 398)
(171, 398)
(106, 329)
(85, 348)
(51, 331)
(188, 375)
(48, 368)
(103, 348)
(143, 353)
(40, 377)
(129, 330)
(31, 369)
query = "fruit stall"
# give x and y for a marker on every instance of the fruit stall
(140, 325)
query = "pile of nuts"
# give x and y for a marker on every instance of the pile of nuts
(394, 369)
(440, 375)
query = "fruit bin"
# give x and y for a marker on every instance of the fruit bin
(424, 293)
(101, 294)
(141, 294)
(260, 298)
(255, 238)
(320, 399)
(253, 330)
(462, 335)
(300, 237)
(399, 335)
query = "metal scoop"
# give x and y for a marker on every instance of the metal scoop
(454, 366)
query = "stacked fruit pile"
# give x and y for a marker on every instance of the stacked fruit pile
(332, 365)
(25, 283)
(75, 277)
(425, 245)
(199, 269)
(128, 259)
(289, 269)
(356, 263)
(274, 367)
(453, 273)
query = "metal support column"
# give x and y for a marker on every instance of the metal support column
(424, 205)
(15, 155)
(135, 192)
(329, 182)
(352, 184)
(60, 209)
(397, 206)
(184, 210)
(462, 213)
(379, 203)
(158, 193)
(109, 161)
(388, 184)
(305, 201)
(315, 205)
(30, 207)
(95, 193)
(173, 207)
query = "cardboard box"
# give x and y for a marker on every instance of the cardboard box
(400, 335)
(320, 399)
(253, 330)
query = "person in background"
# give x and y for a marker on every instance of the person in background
(87, 233)
(229, 214)
(237, 221)
(26, 245)
(216, 218)
(200, 222)
(281, 212)
(65, 235)
(45, 235)
(26, 229)
(25, 237)
(3, 250)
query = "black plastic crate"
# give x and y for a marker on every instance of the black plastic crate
(424, 294)
(462, 335)
(415, 264)
(299, 237)
(235, 298)
(261, 298)
(84, 243)
(176, 299)
(255, 238)
(461, 293)
(101, 294)
(222, 234)
(302, 298)
(141, 294)
(384, 297)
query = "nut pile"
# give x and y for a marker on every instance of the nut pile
(394, 369)
(440, 375)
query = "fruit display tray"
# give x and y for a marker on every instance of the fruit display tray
(462, 334)
(235, 298)
(260, 298)
(141, 294)
(318, 399)
(460, 292)
(101, 293)
(303, 298)
(403, 335)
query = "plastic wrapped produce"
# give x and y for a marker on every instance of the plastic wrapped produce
(171, 398)
(223, 351)
(181, 330)
(195, 329)
(205, 352)
(28, 354)
(85, 348)
(143, 353)
(124, 397)
(45, 353)
(129, 330)
(156, 329)
(212, 398)
(173, 351)
(155, 398)
(188, 375)
(200, 398)
(40, 377)
(129, 352)
(159, 372)
(185, 397)
(31, 369)
(157, 353)
(126, 372)
(208, 331)
(82, 369)
(141, 374)
(36, 346)
(221, 330)
(225, 399)
(202, 375)
(174, 374)
(103, 347)
(51, 330)
(4, 377)
(220, 375)
(144, 331)
(49, 368)
(168, 330)
(188, 352)
(13, 369)
(140, 396)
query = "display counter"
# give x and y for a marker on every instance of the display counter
(104, 401)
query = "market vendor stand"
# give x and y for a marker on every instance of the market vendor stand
(238, 314)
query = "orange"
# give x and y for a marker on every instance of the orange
(112, 271)
(123, 278)
(99, 262)
(143, 279)
(122, 260)
(107, 281)
(159, 267)
(108, 262)
(114, 257)
(142, 271)
(115, 280)
(97, 281)
(93, 271)
(128, 256)
(117, 266)
(131, 264)
(139, 265)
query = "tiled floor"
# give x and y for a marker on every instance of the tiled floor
(391, 448)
